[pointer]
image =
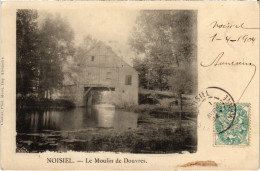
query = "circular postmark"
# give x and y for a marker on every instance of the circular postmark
(214, 100)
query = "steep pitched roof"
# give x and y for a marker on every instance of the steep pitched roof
(100, 43)
(93, 46)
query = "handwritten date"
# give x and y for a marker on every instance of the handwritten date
(243, 38)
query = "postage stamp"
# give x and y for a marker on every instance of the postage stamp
(232, 124)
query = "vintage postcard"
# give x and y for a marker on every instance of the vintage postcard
(129, 85)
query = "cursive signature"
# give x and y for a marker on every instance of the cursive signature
(217, 62)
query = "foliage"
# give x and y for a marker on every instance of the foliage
(42, 50)
(142, 68)
(183, 81)
(36, 102)
(27, 37)
(166, 39)
(55, 47)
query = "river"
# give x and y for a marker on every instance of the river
(56, 130)
(99, 128)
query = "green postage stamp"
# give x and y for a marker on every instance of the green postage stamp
(232, 124)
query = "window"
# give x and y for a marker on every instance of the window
(128, 79)
(108, 76)
(92, 58)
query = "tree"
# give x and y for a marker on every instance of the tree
(141, 66)
(183, 82)
(55, 46)
(167, 40)
(27, 61)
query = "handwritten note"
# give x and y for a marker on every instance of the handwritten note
(221, 33)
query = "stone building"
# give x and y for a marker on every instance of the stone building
(104, 78)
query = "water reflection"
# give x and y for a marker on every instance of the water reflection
(31, 121)
(97, 129)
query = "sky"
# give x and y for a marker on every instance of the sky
(112, 26)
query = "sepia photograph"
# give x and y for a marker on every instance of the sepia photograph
(106, 80)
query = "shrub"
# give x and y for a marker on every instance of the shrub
(63, 103)
(35, 102)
